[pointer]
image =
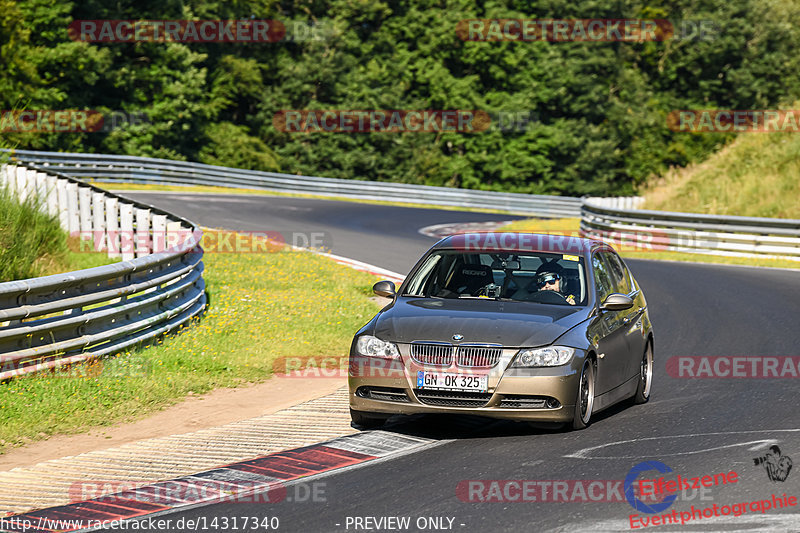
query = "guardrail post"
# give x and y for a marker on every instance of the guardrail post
(22, 184)
(85, 211)
(176, 235)
(159, 233)
(30, 184)
(112, 227)
(52, 195)
(41, 190)
(73, 217)
(127, 240)
(11, 179)
(143, 243)
(99, 221)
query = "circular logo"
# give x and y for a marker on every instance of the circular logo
(630, 481)
(458, 337)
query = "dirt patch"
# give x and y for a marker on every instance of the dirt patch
(216, 408)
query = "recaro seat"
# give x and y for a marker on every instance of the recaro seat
(469, 278)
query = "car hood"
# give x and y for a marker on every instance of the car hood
(478, 320)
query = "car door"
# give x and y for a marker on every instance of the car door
(607, 332)
(632, 327)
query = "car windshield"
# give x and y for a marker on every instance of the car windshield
(540, 277)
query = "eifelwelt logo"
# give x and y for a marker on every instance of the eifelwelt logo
(630, 483)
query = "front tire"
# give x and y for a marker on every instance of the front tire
(366, 420)
(645, 376)
(584, 402)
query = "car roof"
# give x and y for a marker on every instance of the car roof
(495, 241)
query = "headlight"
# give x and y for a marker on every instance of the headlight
(549, 356)
(374, 347)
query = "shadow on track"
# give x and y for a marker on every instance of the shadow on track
(448, 426)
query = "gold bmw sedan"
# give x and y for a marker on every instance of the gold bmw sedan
(522, 326)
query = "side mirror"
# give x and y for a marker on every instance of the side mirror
(617, 302)
(387, 290)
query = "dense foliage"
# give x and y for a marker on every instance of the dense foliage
(599, 108)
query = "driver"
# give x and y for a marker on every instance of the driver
(549, 277)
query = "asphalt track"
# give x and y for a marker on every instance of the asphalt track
(695, 426)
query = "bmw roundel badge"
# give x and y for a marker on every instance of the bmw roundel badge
(458, 337)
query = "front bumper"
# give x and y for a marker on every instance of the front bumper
(530, 394)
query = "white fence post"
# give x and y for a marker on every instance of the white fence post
(63, 206)
(30, 184)
(159, 233)
(7, 177)
(85, 212)
(127, 241)
(22, 184)
(112, 227)
(73, 216)
(99, 221)
(143, 242)
(52, 195)
(175, 235)
(41, 190)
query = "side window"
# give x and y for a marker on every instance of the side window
(619, 274)
(423, 276)
(602, 278)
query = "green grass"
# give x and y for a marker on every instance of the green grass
(263, 306)
(571, 226)
(33, 244)
(757, 175)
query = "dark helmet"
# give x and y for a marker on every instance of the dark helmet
(549, 271)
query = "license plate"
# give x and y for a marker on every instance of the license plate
(450, 381)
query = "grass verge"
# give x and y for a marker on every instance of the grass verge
(33, 244)
(263, 306)
(571, 226)
(757, 175)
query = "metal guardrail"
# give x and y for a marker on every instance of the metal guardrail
(131, 169)
(66, 318)
(690, 232)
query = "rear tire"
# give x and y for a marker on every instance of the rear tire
(584, 401)
(645, 376)
(366, 420)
